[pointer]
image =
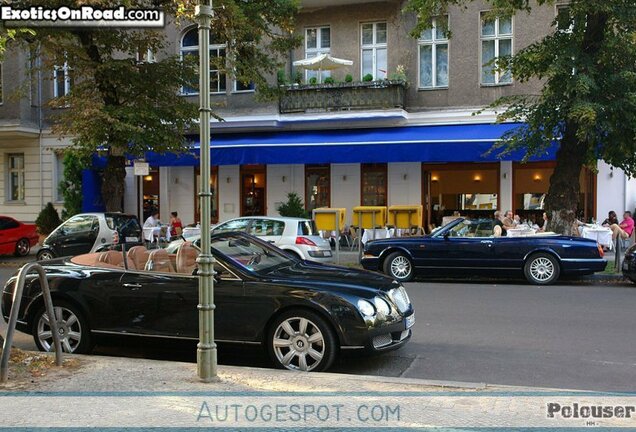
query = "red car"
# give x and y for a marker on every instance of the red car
(16, 237)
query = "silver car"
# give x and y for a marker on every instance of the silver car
(294, 235)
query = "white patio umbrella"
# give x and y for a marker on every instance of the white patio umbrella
(322, 62)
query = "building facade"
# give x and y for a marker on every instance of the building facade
(354, 142)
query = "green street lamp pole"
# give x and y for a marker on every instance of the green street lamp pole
(206, 349)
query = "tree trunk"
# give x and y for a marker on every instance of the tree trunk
(113, 183)
(563, 196)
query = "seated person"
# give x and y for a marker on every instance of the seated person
(625, 229)
(497, 227)
(612, 219)
(508, 221)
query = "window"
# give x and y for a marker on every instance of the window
(374, 50)
(80, 224)
(58, 176)
(317, 41)
(374, 184)
(190, 49)
(146, 56)
(243, 87)
(16, 177)
(433, 51)
(564, 21)
(266, 227)
(62, 80)
(496, 42)
(317, 186)
(7, 224)
(233, 225)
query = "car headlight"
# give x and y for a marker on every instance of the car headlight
(366, 308)
(382, 306)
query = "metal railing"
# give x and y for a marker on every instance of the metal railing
(342, 96)
(13, 317)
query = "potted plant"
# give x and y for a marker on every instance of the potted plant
(367, 78)
(47, 221)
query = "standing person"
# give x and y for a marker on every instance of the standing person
(625, 228)
(612, 219)
(508, 221)
(153, 220)
(176, 227)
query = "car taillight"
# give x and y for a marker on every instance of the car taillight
(115, 237)
(304, 241)
(601, 252)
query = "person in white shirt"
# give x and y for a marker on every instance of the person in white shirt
(153, 220)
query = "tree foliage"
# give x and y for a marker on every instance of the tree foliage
(48, 219)
(72, 184)
(120, 106)
(587, 65)
(294, 207)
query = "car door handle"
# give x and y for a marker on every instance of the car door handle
(132, 286)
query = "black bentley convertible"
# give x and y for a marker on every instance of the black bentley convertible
(469, 246)
(303, 313)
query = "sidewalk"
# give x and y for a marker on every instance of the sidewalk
(118, 392)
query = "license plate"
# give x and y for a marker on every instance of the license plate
(327, 253)
(132, 239)
(410, 320)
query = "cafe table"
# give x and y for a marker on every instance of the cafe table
(599, 233)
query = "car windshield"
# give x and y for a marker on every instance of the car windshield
(250, 254)
(471, 228)
(125, 225)
(307, 227)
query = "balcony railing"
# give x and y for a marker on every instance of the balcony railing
(342, 96)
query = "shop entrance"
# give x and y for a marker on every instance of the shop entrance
(150, 192)
(253, 186)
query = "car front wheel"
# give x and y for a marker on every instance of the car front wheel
(45, 255)
(542, 269)
(72, 327)
(399, 267)
(301, 340)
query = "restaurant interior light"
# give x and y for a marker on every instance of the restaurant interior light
(148, 178)
(434, 178)
(477, 178)
(537, 177)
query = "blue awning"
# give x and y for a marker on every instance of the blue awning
(448, 143)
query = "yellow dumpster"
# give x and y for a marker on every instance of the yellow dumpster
(325, 218)
(405, 216)
(363, 216)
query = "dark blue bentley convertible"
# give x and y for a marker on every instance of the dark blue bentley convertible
(469, 246)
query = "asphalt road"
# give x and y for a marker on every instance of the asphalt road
(571, 336)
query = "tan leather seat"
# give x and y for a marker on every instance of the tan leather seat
(139, 257)
(187, 258)
(114, 258)
(159, 261)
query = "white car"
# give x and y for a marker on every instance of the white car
(294, 235)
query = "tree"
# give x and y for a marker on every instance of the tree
(587, 65)
(294, 207)
(72, 184)
(122, 106)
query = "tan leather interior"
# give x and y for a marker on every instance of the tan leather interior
(114, 258)
(187, 258)
(159, 261)
(139, 257)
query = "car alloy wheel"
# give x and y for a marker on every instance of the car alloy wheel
(22, 248)
(71, 326)
(45, 256)
(302, 341)
(399, 267)
(542, 269)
